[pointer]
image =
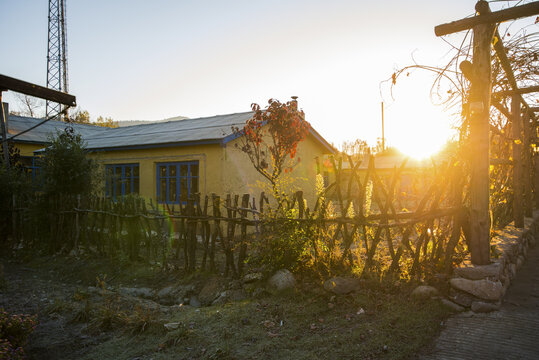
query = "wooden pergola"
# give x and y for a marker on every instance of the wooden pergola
(521, 115)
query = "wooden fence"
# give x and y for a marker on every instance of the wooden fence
(361, 222)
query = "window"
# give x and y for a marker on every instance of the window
(121, 180)
(176, 181)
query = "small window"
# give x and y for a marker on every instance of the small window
(176, 181)
(121, 180)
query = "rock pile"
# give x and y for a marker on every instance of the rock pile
(481, 287)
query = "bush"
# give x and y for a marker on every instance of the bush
(65, 167)
(14, 332)
(283, 244)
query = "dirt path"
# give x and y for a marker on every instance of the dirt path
(29, 291)
(511, 333)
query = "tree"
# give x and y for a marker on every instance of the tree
(80, 116)
(106, 122)
(31, 106)
(83, 117)
(271, 137)
(65, 166)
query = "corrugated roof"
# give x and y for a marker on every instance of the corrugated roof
(214, 129)
(41, 134)
(207, 129)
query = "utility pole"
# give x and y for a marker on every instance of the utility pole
(383, 136)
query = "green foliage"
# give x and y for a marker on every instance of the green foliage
(65, 167)
(283, 244)
(14, 332)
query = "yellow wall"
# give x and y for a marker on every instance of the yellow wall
(222, 169)
(208, 156)
(241, 177)
(28, 149)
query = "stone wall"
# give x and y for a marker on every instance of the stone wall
(482, 287)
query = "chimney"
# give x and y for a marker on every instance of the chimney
(294, 102)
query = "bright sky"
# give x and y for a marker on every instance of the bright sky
(150, 60)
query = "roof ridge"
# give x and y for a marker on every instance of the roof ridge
(186, 119)
(60, 122)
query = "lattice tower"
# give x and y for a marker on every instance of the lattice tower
(56, 53)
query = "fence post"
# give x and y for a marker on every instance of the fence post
(528, 191)
(77, 226)
(479, 103)
(516, 124)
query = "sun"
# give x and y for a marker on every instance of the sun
(415, 126)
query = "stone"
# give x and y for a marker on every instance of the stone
(172, 326)
(461, 298)
(165, 292)
(210, 291)
(173, 295)
(484, 307)
(450, 304)
(282, 280)
(423, 292)
(252, 277)
(341, 285)
(194, 302)
(222, 298)
(512, 271)
(520, 261)
(477, 272)
(483, 289)
(145, 293)
(230, 295)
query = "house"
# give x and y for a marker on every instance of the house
(166, 161)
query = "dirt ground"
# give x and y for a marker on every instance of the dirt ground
(83, 315)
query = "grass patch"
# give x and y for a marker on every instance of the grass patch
(370, 325)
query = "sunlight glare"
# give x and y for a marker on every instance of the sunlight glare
(414, 125)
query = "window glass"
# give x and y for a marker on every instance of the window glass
(172, 196)
(176, 181)
(121, 180)
(183, 170)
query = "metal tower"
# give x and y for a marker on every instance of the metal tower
(56, 53)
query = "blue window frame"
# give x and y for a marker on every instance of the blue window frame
(176, 181)
(121, 180)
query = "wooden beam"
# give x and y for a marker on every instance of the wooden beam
(479, 100)
(536, 179)
(512, 13)
(516, 124)
(527, 164)
(534, 108)
(520, 91)
(9, 83)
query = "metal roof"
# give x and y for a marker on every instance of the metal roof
(214, 129)
(207, 130)
(41, 134)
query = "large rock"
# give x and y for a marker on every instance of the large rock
(483, 289)
(282, 280)
(477, 272)
(174, 294)
(423, 292)
(483, 307)
(210, 291)
(462, 298)
(142, 292)
(450, 304)
(341, 285)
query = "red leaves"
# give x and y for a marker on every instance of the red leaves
(276, 130)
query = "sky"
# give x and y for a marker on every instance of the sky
(151, 60)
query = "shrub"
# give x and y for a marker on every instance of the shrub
(14, 332)
(283, 244)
